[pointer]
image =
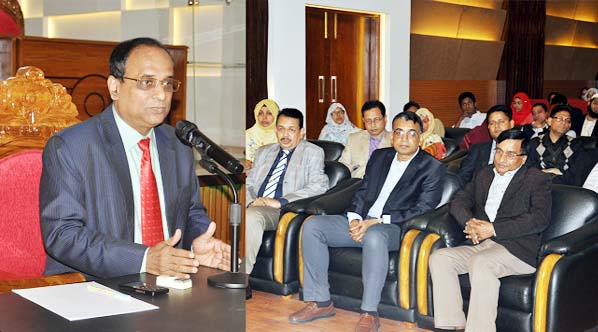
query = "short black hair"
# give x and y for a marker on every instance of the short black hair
(500, 108)
(551, 94)
(559, 99)
(561, 108)
(410, 116)
(291, 113)
(368, 105)
(120, 54)
(466, 94)
(410, 104)
(515, 134)
(541, 105)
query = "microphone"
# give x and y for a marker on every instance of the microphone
(188, 133)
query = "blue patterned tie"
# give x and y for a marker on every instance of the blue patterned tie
(275, 177)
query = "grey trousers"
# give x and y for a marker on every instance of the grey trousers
(321, 232)
(485, 263)
(258, 219)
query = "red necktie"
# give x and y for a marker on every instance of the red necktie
(151, 215)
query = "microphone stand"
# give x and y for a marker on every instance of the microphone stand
(233, 279)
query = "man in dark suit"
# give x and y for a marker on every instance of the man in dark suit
(500, 118)
(589, 127)
(400, 183)
(503, 211)
(118, 192)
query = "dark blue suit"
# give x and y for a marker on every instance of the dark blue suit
(86, 198)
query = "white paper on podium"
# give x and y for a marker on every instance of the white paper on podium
(77, 301)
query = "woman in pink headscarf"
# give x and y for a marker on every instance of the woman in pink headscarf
(522, 109)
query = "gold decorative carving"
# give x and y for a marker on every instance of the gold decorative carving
(13, 9)
(32, 109)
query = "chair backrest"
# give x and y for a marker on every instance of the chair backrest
(336, 172)
(451, 186)
(21, 248)
(11, 18)
(455, 133)
(451, 146)
(572, 207)
(332, 150)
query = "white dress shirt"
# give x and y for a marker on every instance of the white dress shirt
(130, 137)
(588, 127)
(476, 119)
(396, 171)
(592, 180)
(492, 151)
(497, 191)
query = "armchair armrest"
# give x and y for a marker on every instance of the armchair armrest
(572, 242)
(301, 205)
(334, 202)
(445, 225)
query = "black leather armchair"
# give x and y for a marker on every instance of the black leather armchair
(456, 133)
(454, 155)
(275, 269)
(344, 273)
(332, 150)
(561, 296)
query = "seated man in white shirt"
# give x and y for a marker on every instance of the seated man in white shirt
(470, 116)
(503, 211)
(400, 183)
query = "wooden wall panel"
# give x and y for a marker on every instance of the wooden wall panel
(568, 88)
(570, 63)
(440, 96)
(82, 67)
(216, 198)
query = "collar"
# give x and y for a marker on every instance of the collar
(130, 137)
(508, 174)
(396, 158)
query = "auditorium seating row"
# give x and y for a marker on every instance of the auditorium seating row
(560, 296)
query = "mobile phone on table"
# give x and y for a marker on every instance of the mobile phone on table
(143, 288)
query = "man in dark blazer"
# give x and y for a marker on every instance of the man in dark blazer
(503, 211)
(94, 203)
(500, 118)
(400, 183)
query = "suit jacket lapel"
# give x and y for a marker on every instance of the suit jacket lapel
(408, 175)
(385, 168)
(116, 152)
(169, 176)
(485, 180)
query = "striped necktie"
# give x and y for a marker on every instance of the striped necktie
(151, 215)
(275, 177)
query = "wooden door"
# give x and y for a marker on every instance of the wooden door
(342, 55)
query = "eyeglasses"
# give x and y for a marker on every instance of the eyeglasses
(559, 119)
(410, 134)
(149, 83)
(374, 120)
(339, 112)
(510, 154)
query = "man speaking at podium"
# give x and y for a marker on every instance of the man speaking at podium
(118, 193)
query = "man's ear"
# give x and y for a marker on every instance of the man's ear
(303, 133)
(113, 87)
(549, 121)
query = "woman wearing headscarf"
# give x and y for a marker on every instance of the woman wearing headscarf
(522, 109)
(430, 142)
(263, 132)
(338, 127)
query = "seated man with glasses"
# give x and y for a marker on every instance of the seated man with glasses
(360, 145)
(400, 183)
(118, 192)
(553, 152)
(503, 211)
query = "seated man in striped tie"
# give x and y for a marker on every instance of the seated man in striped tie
(282, 172)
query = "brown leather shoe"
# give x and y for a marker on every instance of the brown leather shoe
(368, 323)
(311, 312)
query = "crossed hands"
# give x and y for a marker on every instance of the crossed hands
(357, 229)
(165, 259)
(266, 201)
(478, 230)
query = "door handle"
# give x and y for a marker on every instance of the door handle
(333, 88)
(325, 25)
(321, 89)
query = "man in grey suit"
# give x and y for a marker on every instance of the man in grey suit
(118, 192)
(282, 172)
